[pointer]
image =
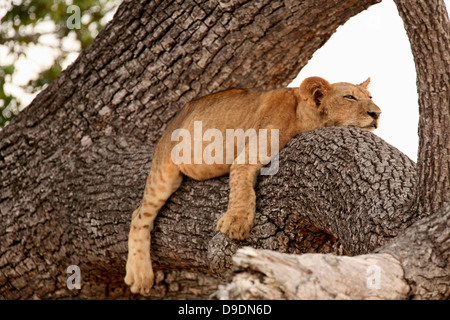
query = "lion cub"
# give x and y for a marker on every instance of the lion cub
(288, 112)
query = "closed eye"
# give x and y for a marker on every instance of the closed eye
(350, 97)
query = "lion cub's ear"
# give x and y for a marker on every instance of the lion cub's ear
(365, 84)
(314, 89)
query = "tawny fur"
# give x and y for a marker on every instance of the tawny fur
(315, 104)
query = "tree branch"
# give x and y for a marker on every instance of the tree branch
(326, 181)
(429, 36)
(265, 274)
(414, 265)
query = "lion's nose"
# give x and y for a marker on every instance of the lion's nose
(374, 114)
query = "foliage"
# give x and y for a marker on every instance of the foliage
(25, 24)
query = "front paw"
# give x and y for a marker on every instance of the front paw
(139, 274)
(236, 224)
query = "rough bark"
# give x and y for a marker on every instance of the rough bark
(423, 251)
(428, 27)
(412, 266)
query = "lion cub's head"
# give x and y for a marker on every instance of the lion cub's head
(341, 104)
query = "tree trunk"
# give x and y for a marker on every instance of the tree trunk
(73, 164)
(428, 27)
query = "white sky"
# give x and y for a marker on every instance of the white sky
(371, 44)
(374, 44)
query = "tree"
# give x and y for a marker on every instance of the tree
(73, 163)
(430, 44)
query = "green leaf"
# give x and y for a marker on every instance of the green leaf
(20, 28)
